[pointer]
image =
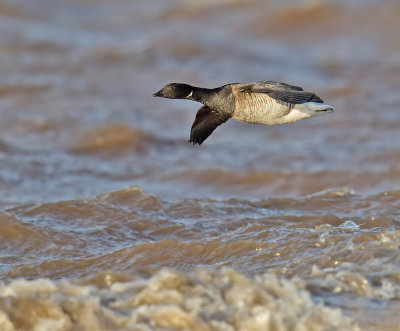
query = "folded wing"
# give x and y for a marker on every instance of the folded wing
(282, 92)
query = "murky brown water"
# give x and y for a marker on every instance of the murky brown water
(111, 220)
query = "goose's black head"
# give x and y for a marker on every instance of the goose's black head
(175, 91)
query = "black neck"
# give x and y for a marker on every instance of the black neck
(204, 95)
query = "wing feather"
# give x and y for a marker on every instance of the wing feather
(206, 121)
(286, 93)
(276, 85)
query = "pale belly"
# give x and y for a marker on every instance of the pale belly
(261, 109)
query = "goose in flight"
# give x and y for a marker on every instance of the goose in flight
(262, 102)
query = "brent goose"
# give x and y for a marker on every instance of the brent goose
(262, 102)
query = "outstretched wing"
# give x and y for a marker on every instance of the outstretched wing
(286, 93)
(206, 121)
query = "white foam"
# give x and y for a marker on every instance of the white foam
(349, 225)
(202, 300)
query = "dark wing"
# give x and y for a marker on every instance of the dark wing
(275, 85)
(291, 97)
(286, 93)
(206, 121)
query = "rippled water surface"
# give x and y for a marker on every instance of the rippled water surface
(110, 220)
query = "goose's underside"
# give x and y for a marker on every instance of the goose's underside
(260, 108)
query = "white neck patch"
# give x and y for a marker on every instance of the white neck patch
(190, 94)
